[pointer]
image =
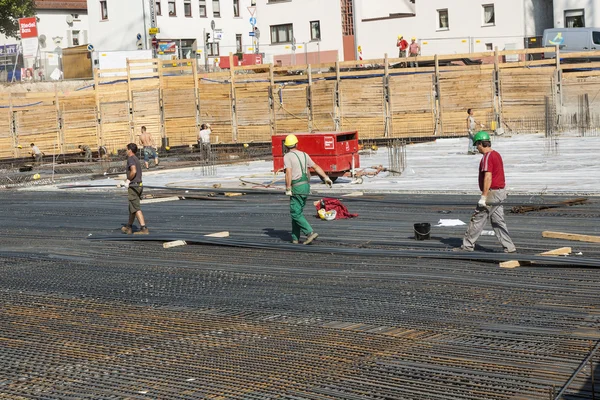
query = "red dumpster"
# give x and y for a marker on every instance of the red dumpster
(335, 152)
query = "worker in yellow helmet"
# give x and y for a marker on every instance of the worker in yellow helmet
(402, 45)
(297, 186)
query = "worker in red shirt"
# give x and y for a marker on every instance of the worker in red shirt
(493, 193)
(402, 45)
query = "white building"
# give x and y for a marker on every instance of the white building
(60, 24)
(447, 27)
(576, 14)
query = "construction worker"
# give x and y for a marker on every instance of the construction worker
(471, 127)
(36, 153)
(204, 141)
(149, 148)
(402, 45)
(493, 193)
(297, 186)
(86, 151)
(134, 191)
(414, 50)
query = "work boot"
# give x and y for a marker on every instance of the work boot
(463, 248)
(126, 229)
(311, 237)
(513, 250)
(295, 241)
(143, 231)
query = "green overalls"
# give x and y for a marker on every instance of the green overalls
(300, 191)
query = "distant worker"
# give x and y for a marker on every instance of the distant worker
(86, 151)
(402, 45)
(204, 141)
(471, 128)
(134, 191)
(149, 148)
(102, 152)
(36, 153)
(297, 186)
(493, 193)
(414, 51)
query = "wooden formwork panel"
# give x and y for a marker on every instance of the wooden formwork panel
(79, 115)
(7, 148)
(461, 91)
(7, 145)
(412, 103)
(179, 113)
(362, 107)
(573, 88)
(36, 121)
(523, 94)
(113, 92)
(215, 109)
(146, 112)
(323, 105)
(115, 129)
(144, 84)
(291, 112)
(177, 82)
(253, 112)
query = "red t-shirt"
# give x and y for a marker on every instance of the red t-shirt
(492, 162)
(403, 44)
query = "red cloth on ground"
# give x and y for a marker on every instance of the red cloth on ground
(334, 204)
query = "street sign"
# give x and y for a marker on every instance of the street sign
(212, 25)
(252, 21)
(218, 34)
(252, 10)
(139, 36)
(90, 48)
(153, 31)
(251, 33)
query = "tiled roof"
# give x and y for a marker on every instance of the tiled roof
(61, 4)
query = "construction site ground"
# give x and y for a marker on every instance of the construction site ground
(366, 312)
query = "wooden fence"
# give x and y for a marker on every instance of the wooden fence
(248, 104)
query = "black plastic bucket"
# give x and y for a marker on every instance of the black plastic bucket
(422, 231)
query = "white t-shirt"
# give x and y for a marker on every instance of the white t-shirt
(204, 136)
(291, 161)
(35, 150)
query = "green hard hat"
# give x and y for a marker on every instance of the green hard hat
(481, 135)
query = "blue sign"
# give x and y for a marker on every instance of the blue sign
(252, 21)
(251, 33)
(139, 36)
(11, 48)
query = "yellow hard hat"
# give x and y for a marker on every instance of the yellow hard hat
(36, 177)
(400, 36)
(290, 141)
(246, 145)
(413, 38)
(19, 147)
(374, 147)
(167, 148)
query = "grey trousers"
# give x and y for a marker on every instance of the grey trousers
(495, 214)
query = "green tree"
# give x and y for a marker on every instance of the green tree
(11, 11)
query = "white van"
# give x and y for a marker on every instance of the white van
(570, 40)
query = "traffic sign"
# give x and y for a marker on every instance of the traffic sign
(251, 33)
(139, 36)
(153, 31)
(90, 47)
(212, 25)
(252, 21)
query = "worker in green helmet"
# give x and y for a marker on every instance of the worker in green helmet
(297, 186)
(493, 193)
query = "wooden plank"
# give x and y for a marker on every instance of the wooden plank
(223, 234)
(571, 236)
(176, 243)
(563, 251)
(160, 200)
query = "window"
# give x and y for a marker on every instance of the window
(489, 46)
(212, 49)
(282, 33)
(596, 37)
(489, 17)
(187, 8)
(104, 10)
(238, 44)
(203, 8)
(157, 9)
(315, 30)
(443, 23)
(75, 38)
(236, 8)
(172, 11)
(216, 9)
(574, 19)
